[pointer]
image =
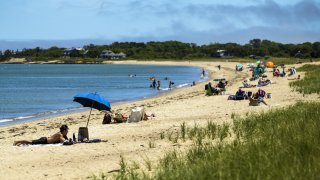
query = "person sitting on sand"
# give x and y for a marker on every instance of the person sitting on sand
(293, 71)
(240, 95)
(222, 86)
(208, 89)
(276, 72)
(107, 118)
(58, 137)
(257, 98)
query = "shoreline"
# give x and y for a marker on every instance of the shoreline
(55, 113)
(132, 140)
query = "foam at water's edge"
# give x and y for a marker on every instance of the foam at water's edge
(52, 113)
(5, 120)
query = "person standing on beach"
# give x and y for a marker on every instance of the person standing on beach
(59, 137)
(203, 72)
(219, 67)
(158, 86)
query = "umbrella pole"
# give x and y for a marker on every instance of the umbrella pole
(89, 114)
(89, 117)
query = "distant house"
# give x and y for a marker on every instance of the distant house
(72, 52)
(298, 55)
(111, 55)
(222, 54)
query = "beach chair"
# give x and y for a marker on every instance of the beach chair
(137, 114)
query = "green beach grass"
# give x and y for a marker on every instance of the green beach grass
(309, 84)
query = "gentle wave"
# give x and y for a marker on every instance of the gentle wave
(22, 117)
(5, 120)
(183, 85)
(16, 118)
(41, 115)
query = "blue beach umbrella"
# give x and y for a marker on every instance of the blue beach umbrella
(92, 100)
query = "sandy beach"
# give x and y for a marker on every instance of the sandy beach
(189, 105)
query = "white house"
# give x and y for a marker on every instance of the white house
(111, 55)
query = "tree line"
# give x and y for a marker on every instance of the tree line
(175, 50)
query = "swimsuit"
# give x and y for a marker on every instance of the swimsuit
(42, 140)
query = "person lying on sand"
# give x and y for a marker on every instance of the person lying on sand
(247, 85)
(264, 82)
(295, 78)
(58, 137)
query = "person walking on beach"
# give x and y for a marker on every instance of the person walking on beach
(158, 85)
(219, 67)
(58, 137)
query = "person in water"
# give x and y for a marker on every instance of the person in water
(170, 84)
(158, 85)
(58, 137)
(154, 83)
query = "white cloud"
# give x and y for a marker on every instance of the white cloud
(156, 19)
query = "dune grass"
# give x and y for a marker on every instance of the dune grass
(281, 144)
(311, 82)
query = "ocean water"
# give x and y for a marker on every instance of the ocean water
(31, 91)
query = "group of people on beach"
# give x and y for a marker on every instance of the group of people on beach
(255, 99)
(217, 89)
(258, 73)
(155, 84)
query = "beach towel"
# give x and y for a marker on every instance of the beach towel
(41, 145)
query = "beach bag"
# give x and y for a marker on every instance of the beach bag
(83, 134)
(107, 119)
(269, 95)
(136, 114)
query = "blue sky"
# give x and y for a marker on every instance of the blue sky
(198, 21)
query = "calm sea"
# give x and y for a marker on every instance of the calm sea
(32, 91)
